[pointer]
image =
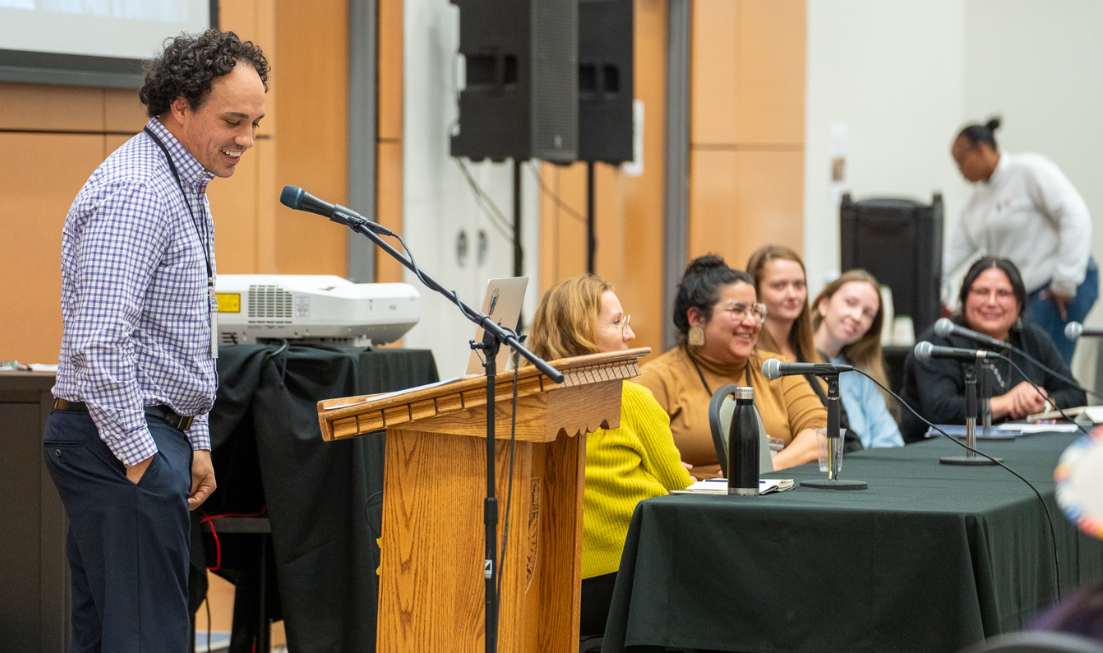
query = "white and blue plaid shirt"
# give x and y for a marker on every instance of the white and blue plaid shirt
(134, 295)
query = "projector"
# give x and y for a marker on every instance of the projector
(312, 309)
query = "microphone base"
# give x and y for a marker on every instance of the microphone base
(972, 461)
(837, 484)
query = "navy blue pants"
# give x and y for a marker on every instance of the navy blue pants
(1044, 313)
(128, 543)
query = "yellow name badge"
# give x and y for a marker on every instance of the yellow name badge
(228, 302)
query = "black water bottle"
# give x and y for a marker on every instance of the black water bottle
(743, 445)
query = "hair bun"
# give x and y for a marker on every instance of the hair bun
(993, 124)
(705, 263)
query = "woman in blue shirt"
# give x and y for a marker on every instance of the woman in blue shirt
(847, 322)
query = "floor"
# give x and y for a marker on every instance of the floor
(220, 593)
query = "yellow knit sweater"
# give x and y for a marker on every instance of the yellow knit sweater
(624, 466)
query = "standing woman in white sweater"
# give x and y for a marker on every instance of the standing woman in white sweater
(1024, 208)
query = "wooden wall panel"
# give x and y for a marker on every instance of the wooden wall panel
(770, 91)
(47, 107)
(311, 150)
(770, 202)
(123, 112)
(713, 59)
(40, 174)
(389, 200)
(234, 207)
(641, 292)
(746, 174)
(391, 69)
(713, 181)
(390, 195)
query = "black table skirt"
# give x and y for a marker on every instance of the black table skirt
(322, 498)
(929, 558)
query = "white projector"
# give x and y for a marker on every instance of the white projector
(312, 308)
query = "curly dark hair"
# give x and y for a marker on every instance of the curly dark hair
(700, 288)
(188, 65)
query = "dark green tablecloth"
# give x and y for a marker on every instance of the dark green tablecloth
(268, 451)
(929, 558)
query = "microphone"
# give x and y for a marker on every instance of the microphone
(925, 351)
(296, 198)
(774, 369)
(945, 327)
(1074, 330)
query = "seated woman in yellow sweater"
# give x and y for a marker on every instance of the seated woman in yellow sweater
(718, 313)
(624, 465)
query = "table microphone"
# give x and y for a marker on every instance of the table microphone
(945, 328)
(925, 351)
(774, 369)
(1074, 330)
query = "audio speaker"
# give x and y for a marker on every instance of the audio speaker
(605, 80)
(520, 98)
(899, 242)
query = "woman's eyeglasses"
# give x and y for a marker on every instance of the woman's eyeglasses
(621, 324)
(740, 312)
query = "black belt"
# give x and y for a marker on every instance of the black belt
(163, 413)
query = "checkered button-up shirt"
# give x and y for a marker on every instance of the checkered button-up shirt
(134, 295)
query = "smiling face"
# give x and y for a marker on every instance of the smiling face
(849, 313)
(612, 331)
(991, 307)
(729, 337)
(784, 290)
(225, 124)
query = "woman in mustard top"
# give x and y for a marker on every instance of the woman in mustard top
(718, 314)
(625, 465)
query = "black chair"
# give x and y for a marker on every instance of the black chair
(1037, 641)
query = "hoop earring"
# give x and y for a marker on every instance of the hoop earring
(696, 336)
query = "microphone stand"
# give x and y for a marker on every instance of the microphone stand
(834, 445)
(970, 457)
(493, 337)
(987, 370)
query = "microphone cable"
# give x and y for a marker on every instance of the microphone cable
(1045, 508)
(1048, 402)
(1039, 364)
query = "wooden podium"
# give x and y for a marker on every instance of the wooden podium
(431, 589)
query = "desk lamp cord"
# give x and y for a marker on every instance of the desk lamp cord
(1045, 508)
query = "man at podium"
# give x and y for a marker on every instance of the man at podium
(625, 465)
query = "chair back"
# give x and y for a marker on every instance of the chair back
(721, 409)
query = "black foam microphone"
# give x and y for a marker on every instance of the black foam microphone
(925, 351)
(774, 369)
(945, 328)
(296, 198)
(1074, 330)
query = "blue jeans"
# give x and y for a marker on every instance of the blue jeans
(1044, 313)
(128, 543)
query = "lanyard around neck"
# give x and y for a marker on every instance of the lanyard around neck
(205, 242)
(746, 372)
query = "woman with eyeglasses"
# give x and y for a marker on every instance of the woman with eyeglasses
(1025, 209)
(718, 314)
(992, 298)
(625, 465)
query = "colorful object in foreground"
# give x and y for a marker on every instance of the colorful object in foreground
(1079, 478)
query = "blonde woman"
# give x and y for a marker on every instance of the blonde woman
(847, 325)
(625, 465)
